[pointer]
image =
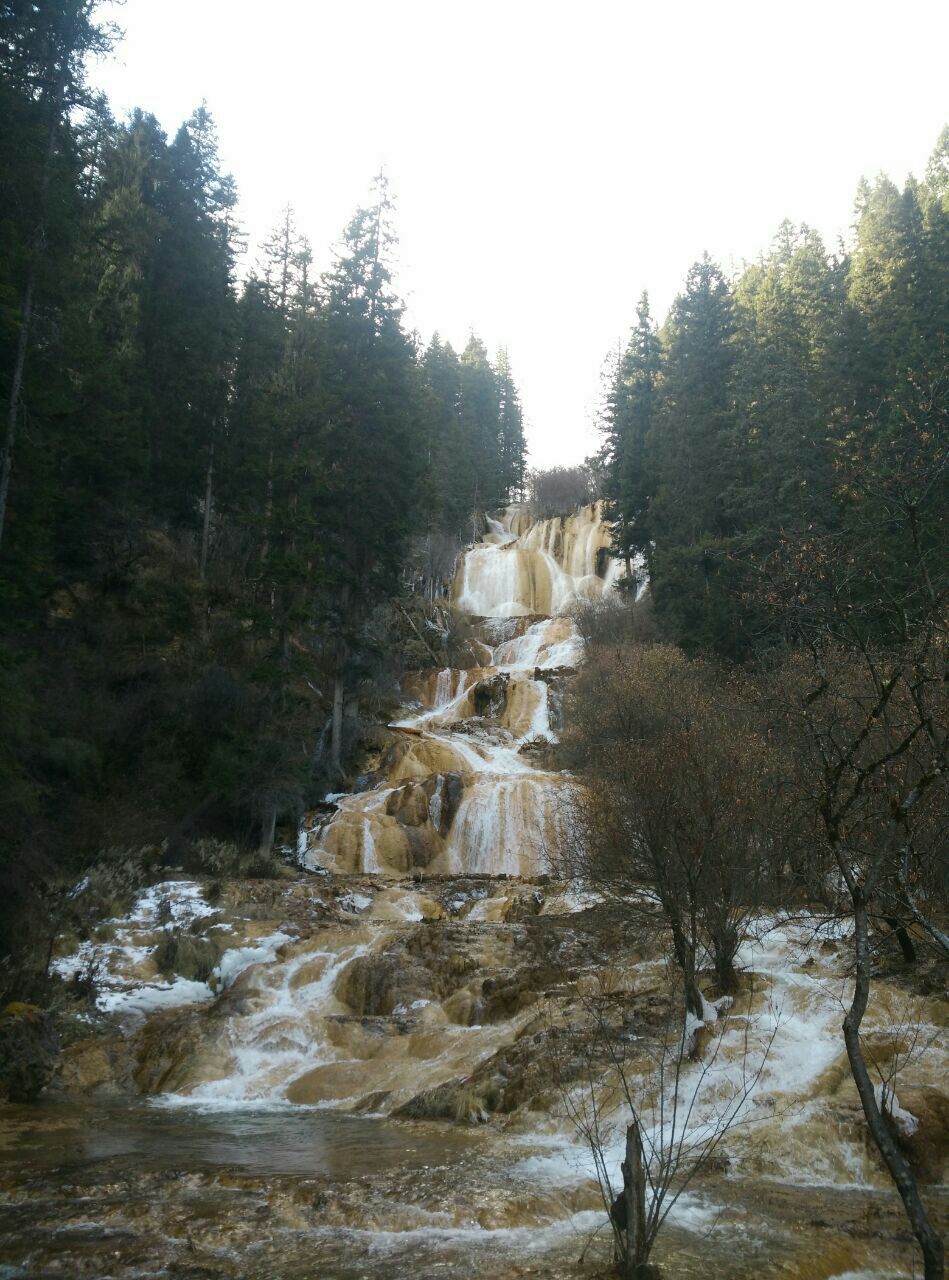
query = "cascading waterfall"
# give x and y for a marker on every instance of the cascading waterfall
(462, 794)
(477, 723)
(416, 982)
(525, 568)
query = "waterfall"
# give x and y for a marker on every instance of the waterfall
(482, 725)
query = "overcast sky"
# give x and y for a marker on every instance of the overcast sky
(550, 161)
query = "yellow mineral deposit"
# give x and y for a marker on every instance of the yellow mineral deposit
(521, 581)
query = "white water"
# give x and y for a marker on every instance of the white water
(508, 821)
(542, 570)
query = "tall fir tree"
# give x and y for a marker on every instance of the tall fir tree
(512, 444)
(630, 420)
(478, 417)
(371, 440)
(690, 523)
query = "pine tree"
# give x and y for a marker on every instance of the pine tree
(478, 417)
(513, 446)
(632, 403)
(689, 521)
(450, 454)
(788, 312)
(42, 50)
(189, 321)
(372, 439)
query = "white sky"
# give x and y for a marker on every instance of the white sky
(550, 161)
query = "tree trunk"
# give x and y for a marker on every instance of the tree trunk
(634, 1192)
(897, 1164)
(6, 465)
(685, 958)
(268, 511)
(428, 648)
(724, 944)
(903, 938)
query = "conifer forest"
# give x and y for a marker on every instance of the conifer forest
(418, 860)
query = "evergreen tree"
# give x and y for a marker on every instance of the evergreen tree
(480, 428)
(189, 320)
(788, 314)
(42, 89)
(630, 419)
(371, 437)
(451, 458)
(688, 518)
(513, 446)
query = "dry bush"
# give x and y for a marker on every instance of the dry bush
(560, 490)
(618, 1072)
(678, 816)
(615, 622)
(868, 732)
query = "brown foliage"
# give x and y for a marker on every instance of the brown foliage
(678, 815)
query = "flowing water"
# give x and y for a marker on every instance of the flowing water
(315, 1107)
(473, 729)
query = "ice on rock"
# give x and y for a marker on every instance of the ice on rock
(117, 966)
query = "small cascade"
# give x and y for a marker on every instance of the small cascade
(480, 726)
(524, 568)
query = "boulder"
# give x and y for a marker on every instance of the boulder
(927, 1147)
(489, 696)
(445, 792)
(179, 1048)
(87, 1065)
(375, 985)
(408, 804)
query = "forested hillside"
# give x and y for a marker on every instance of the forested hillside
(783, 402)
(217, 468)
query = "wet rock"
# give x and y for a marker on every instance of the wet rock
(408, 804)
(372, 1101)
(375, 985)
(553, 675)
(434, 800)
(489, 696)
(525, 905)
(28, 1052)
(334, 1081)
(456, 1100)
(928, 1146)
(181, 1048)
(463, 1008)
(91, 1065)
(416, 756)
(368, 781)
(505, 997)
(444, 799)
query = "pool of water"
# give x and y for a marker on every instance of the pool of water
(277, 1142)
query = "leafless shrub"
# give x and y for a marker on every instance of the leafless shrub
(560, 489)
(615, 622)
(644, 1095)
(677, 817)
